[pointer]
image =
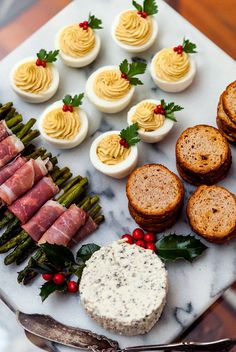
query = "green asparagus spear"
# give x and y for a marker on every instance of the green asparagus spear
(10, 258)
(22, 275)
(30, 136)
(54, 160)
(30, 148)
(14, 121)
(10, 114)
(26, 253)
(10, 232)
(4, 110)
(13, 242)
(6, 219)
(94, 211)
(26, 128)
(63, 179)
(83, 182)
(99, 219)
(17, 128)
(71, 183)
(38, 152)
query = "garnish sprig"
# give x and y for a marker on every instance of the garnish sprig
(129, 136)
(148, 8)
(92, 22)
(186, 47)
(44, 57)
(70, 102)
(129, 70)
(167, 109)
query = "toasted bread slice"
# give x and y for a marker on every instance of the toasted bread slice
(229, 101)
(221, 114)
(202, 149)
(211, 211)
(229, 135)
(154, 191)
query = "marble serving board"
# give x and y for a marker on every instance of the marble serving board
(192, 287)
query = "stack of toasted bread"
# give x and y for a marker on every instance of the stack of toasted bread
(155, 196)
(203, 155)
(226, 113)
(211, 211)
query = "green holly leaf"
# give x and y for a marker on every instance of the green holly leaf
(130, 134)
(174, 247)
(41, 268)
(124, 66)
(58, 255)
(73, 101)
(170, 109)
(134, 81)
(94, 23)
(42, 54)
(67, 99)
(132, 69)
(86, 251)
(49, 287)
(137, 6)
(189, 47)
(150, 7)
(52, 56)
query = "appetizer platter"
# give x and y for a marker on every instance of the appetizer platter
(132, 112)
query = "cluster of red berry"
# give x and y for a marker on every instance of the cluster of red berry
(124, 143)
(124, 75)
(84, 25)
(67, 108)
(143, 14)
(41, 63)
(178, 49)
(159, 110)
(141, 239)
(59, 279)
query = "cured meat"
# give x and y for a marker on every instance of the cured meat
(65, 227)
(9, 148)
(25, 207)
(43, 219)
(4, 130)
(89, 227)
(9, 169)
(23, 180)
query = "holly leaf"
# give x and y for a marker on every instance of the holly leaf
(124, 66)
(58, 255)
(52, 56)
(49, 287)
(86, 251)
(40, 268)
(42, 54)
(77, 100)
(170, 109)
(67, 99)
(134, 81)
(79, 270)
(175, 247)
(189, 47)
(130, 134)
(150, 7)
(94, 23)
(137, 6)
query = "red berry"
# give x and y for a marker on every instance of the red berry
(149, 237)
(70, 108)
(44, 63)
(138, 234)
(129, 238)
(140, 243)
(144, 14)
(81, 24)
(124, 75)
(126, 145)
(162, 111)
(139, 12)
(65, 107)
(175, 48)
(85, 27)
(122, 141)
(59, 278)
(86, 23)
(39, 62)
(72, 287)
(47, 277)
(151, 246)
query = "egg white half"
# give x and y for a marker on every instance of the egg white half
(118, 171)
(135, 48)
(175, 86)
(82, 60)
(152, 136)
(32, 97)
(102, 104)
(63, 143)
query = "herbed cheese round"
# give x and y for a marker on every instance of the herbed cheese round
(124, 287)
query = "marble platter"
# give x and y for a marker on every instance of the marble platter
(193, 287)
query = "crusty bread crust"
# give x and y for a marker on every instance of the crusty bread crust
(202, 149)
(229, 101)
(154, 191)
(211, 211)
(224, 117)
(225, 130)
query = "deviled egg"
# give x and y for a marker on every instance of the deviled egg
(172, 69)
(155, 119)
(79, 43)
(111, 88)
(136, 30)
(113, 155)
(64, 124)
(36, 80)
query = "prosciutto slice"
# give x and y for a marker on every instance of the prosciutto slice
(65, 227)
(4, 130)
(43, 219)
(25, 207)
(23, 180)
(9, 148)
(9, 169)
(89, 227)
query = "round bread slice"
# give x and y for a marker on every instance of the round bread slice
(154, 191)
(211, 211)
(224, 117)
(225, 130)
(229, 101)
(202, 149)
(124, 287)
